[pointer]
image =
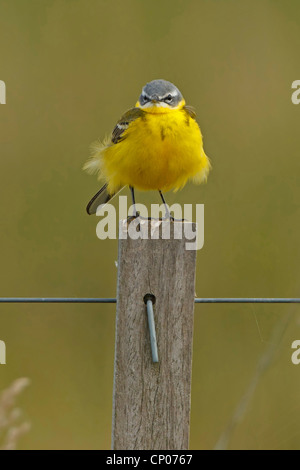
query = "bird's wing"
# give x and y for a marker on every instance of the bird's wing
(190, 113)
(189, 110)
(102, 196)
(124, 122)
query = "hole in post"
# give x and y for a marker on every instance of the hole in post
(149, 297)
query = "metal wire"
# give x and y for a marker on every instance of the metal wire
(103, 300)
(57, 300)
(248, 300)
(151, 325)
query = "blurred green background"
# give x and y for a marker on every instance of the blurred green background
(71, 69)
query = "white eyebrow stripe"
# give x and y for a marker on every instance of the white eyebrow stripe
(161, 105)
(172, 93)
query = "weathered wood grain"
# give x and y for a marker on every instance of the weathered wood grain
(151, 402)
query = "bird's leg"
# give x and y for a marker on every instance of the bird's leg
(135, 213)
(133, 200)
(167, 214)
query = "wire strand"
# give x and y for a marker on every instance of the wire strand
(103, 300)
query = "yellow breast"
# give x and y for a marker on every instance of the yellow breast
(160, 150)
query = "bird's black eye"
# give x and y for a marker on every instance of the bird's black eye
(145, 98)
(168, 98)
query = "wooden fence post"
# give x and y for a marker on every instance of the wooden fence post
(151, 401)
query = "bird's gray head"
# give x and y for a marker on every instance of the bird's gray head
(160, 93)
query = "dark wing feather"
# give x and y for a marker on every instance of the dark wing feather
(190, 111)
(123, 123)
(102, 196)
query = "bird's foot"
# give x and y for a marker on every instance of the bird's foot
(132, 217)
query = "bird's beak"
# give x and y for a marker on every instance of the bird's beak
(155, 99)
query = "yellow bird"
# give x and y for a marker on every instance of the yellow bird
(157, 145)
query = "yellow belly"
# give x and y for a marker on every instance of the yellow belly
(160, 151)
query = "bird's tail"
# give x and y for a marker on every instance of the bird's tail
(101, 198)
